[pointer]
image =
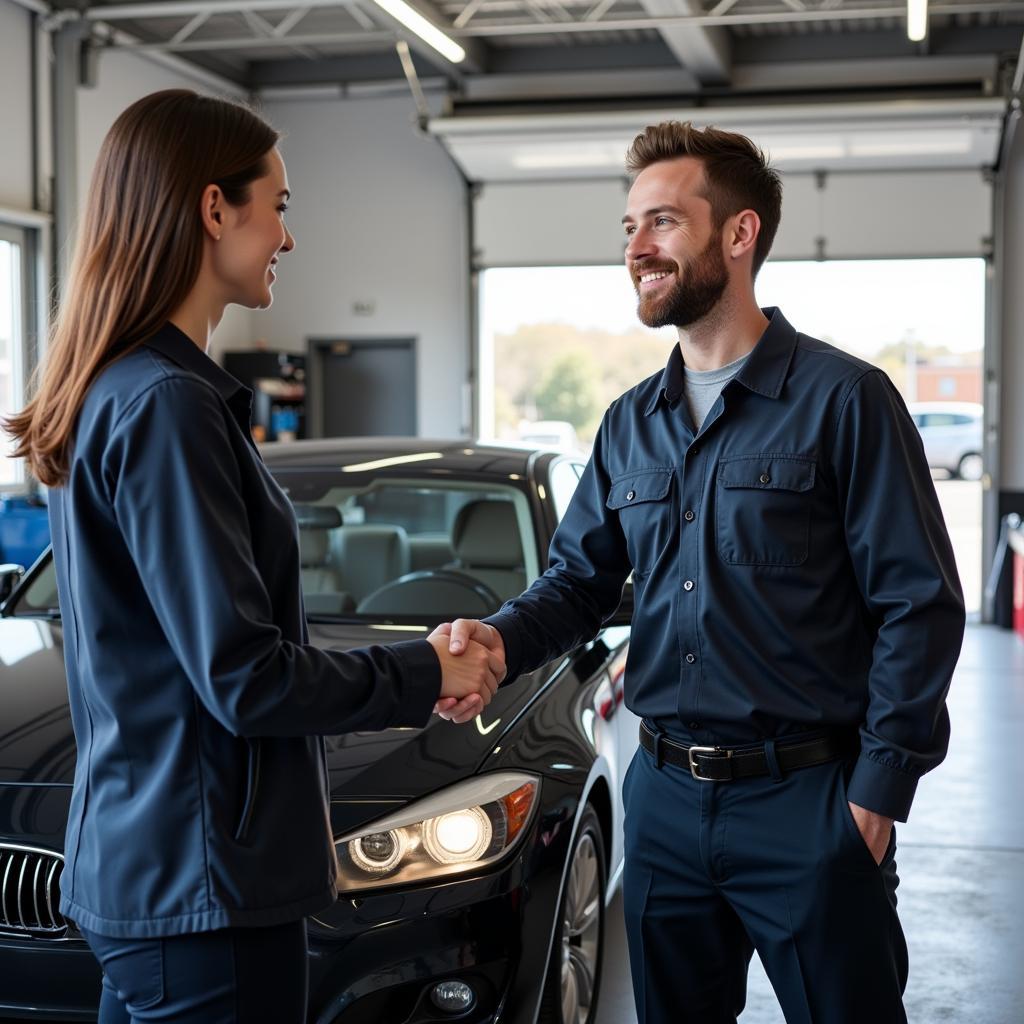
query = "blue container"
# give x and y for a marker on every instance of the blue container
(24, 530)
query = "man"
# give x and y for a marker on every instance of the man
(798, 617)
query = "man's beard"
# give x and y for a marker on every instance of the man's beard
(702, 284)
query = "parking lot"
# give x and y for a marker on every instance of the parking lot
(961, 505)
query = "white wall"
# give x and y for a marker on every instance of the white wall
(379, 215)
(15, 109)
(123, 78)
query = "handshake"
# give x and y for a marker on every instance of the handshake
(472, 656)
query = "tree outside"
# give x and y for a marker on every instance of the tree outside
(554, 371)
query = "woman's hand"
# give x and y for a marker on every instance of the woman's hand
(469, 679)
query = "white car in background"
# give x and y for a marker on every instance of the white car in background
(952, 435)
(559, 435)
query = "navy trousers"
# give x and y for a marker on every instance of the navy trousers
(229, 976)
(717, 870)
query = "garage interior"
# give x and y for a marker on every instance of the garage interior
(418, 178)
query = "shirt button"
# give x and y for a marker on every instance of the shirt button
(690, 659)
(765, 478)
(688, 516)
(694, 725)
(631, 496)
(693, 451)
(688, 585)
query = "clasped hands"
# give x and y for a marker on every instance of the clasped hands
(472, 656)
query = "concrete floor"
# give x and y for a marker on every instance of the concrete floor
(961, 863)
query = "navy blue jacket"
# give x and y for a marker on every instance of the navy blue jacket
(791, 567)
(200, 795)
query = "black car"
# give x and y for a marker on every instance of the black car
(475, 860)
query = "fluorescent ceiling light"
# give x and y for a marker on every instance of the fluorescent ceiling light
(917, 20)
(430, 34)
(802, 147)
(912, 144)
(566, 159)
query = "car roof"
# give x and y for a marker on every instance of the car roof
(427, 455)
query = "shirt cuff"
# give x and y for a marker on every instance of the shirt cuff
(505, 624)
(421, 682)
(879, 788)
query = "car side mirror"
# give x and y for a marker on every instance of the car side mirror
(10, 577)
(623, 615)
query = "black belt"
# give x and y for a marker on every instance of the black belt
(723, 764)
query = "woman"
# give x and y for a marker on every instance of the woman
(198, 836)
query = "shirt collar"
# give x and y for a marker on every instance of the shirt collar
(764, 372)
(177, 346)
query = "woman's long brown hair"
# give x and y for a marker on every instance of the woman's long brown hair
(138, 252)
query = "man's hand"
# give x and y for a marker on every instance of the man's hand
(461, 634)
(874, 828)
(469, 679)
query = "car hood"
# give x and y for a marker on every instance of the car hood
(372, 773)
(369, 773)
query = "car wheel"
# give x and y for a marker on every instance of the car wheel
(574, 971)
(970, 467)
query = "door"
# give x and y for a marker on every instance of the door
(364, 388)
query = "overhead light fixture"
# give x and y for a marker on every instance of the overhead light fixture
(950, 142)
(418, 25)
(561, 157)
(917, 20)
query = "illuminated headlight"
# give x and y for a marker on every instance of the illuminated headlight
(458, 830)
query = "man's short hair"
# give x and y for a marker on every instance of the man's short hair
(736, 170)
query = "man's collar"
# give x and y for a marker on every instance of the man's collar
(764, 372)
(671, 383)
(177, 346)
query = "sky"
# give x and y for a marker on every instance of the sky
(859, 305)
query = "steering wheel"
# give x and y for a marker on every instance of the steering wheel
(425, 591)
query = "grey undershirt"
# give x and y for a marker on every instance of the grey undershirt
(702, 387)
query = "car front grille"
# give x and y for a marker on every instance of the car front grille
(30, 891)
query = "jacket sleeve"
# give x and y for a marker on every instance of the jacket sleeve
(175, 485)
(905, 569)
(588, 565)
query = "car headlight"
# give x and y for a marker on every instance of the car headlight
(455, 831)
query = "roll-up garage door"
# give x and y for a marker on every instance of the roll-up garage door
(896, 179)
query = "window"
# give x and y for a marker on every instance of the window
(14, 306)
(565, 476)
(408, 550)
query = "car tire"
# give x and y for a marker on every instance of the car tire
(970, 467)
(573, 979)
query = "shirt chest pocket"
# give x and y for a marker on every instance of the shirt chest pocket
(763, 514)
(643, 500)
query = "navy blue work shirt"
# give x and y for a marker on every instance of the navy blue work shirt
(200, 793)
(791, 568)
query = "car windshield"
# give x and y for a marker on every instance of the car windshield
(409, 549)
(393, 550)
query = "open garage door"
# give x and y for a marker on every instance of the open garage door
(888, 206)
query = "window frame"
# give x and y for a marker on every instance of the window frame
(30, 232)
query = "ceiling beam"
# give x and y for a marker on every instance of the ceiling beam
(705, 52)
(785, 15)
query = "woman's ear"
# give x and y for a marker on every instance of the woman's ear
(211, 209)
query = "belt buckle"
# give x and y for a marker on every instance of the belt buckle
(704, 750)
